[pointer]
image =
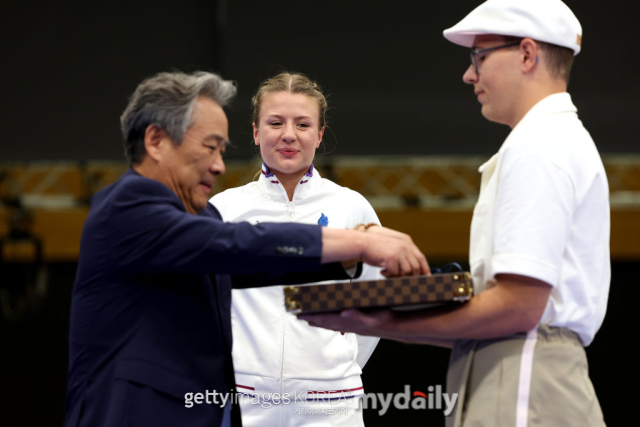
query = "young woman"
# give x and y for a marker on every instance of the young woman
(289, 373)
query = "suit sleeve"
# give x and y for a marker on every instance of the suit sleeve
(331, 271)
(151, 233)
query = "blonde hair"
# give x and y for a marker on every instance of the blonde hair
(293, 83)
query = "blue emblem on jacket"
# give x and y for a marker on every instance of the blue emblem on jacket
(324, 220)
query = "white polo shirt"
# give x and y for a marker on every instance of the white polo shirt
(543, 212)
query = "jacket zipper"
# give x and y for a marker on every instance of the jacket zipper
(290, 205)
(284, 323)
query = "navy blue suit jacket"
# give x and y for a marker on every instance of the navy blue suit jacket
(148, 322)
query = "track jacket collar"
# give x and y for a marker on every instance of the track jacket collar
(270, 184)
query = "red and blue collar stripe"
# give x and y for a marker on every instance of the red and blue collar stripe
(268, 174)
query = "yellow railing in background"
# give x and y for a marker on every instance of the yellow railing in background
(431, 198)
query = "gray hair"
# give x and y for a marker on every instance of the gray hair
(167, 100)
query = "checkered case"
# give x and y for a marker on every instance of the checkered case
(410, 292)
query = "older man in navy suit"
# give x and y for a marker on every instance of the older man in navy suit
(150, 318)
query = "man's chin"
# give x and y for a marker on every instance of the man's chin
(197, 204)
(490, 115)
(200, 205)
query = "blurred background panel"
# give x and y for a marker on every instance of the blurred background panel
(404, 131)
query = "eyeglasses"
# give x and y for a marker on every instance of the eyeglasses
(475, 52)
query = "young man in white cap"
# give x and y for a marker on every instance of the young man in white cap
(539, 250)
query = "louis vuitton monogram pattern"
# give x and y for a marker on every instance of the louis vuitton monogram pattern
(379, 293)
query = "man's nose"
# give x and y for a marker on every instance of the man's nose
(470, 76)
(217, 166)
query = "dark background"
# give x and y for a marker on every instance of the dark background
(395, 83)
(395, 88)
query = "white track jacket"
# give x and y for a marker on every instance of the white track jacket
(273, 351)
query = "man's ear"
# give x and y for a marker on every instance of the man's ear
(530, 52)
(154, 139)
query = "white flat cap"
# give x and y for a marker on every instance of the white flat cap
(549, 21)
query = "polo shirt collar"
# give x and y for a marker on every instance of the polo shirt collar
(552, 104)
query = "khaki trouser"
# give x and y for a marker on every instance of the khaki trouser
(524, 380)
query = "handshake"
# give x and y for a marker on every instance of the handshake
(377, 246)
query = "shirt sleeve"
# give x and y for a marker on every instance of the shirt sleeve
(534, 206)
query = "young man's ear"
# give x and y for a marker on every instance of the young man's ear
(530, 51)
